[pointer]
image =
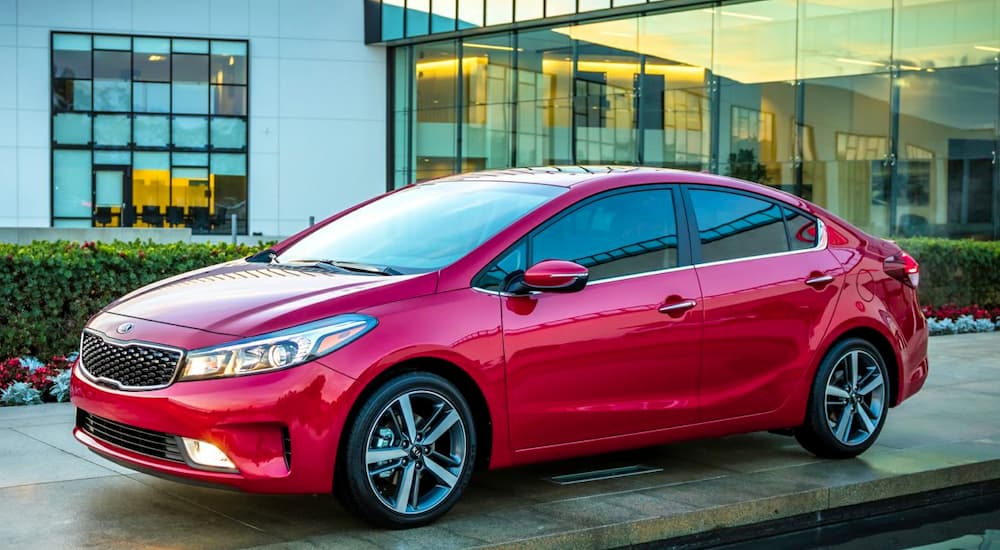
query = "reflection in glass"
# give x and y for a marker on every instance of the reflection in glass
(470, 13)
(190, 132)
(526, 10)
(150, 97)
(442, 15)
(418, 17)
(544, 93)
(605, 91)
(71, 128)
(229, 133)
(853, 38)
(71, 95)
(499, 12)
(623, 234)
(190, 97)
(71, 181)
(392, 19)
(675, 117)
(152, 131)
(488, 76)
(945, 176)
(946, 33)
(436, 96)
(737, 226)
(112, 130)
(845, 160)
(112, 95)
(112, 42)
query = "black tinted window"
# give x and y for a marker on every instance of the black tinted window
(736, 226)
(801, 230)
(622, 234)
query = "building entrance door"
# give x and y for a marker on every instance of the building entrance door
(112, 196)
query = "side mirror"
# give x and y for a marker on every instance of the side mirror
(552, 276)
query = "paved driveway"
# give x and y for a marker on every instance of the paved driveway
(56, 494)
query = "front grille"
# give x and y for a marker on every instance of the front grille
(145, 442)
(131, 365)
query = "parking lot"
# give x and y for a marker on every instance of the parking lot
(54, 493)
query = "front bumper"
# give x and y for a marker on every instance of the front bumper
(279, 429)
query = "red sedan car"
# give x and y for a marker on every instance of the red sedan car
(501, 318)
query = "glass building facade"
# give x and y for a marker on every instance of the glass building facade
(149, 132)
(884, 111)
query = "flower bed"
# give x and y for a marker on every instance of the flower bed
(28, 381)
(952, 319)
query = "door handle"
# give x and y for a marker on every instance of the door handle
(820, 280)
(678, 307)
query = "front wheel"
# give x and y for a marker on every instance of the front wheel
(848, 401)
(410, 452)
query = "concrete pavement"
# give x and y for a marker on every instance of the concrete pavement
(56, 494)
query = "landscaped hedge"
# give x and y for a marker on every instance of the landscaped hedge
(961, 272)
(50, 289)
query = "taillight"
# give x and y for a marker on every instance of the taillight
(903, 268)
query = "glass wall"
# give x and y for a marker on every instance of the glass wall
(149, 132)
(885, 111)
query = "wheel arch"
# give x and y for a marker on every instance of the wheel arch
(885, 349)
(451, 372)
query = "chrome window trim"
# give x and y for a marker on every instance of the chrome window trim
(136, 343)
(642, 274)
(822, 243)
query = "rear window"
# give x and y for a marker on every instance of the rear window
(733, 226)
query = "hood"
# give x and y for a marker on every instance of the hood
(246, 299)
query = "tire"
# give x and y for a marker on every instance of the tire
(413, 439)
(846, 411)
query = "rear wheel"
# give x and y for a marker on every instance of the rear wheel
(410, 452)
(848, 401)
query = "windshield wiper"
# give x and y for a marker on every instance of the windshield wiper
(363, 268)
(355, 267)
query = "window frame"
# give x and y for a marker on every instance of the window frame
(684, 257)
(243, 223)
(695, 241)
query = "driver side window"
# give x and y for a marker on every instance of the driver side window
(620, 234)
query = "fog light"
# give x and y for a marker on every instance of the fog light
(203, 453)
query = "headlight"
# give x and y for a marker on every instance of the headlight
(277, 350)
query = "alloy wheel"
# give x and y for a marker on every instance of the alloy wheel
(855, 397)
(415, 452)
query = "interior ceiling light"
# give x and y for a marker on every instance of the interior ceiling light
(155, 57)
(988, 48)
(490, 47)
(740, 15)
(861, 62)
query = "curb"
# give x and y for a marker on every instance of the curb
(780, 513)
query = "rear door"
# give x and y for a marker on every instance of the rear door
(769, 288)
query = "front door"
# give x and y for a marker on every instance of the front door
(622, 355)
(112, 195)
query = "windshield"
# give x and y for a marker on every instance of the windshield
(422, 228)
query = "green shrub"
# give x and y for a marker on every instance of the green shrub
(962, 272)
(50, 289)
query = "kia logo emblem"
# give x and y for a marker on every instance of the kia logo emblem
(124, 328)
